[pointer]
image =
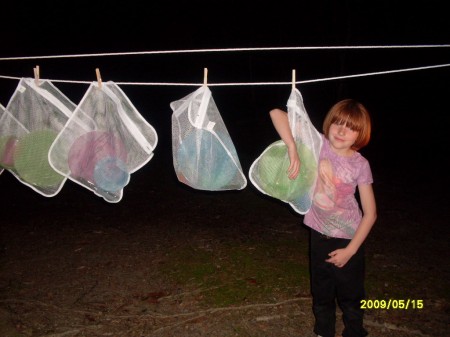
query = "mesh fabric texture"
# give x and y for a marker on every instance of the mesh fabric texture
(104, 141)
(204, 156)
(268, 173)
(33, 118)
(3, 144)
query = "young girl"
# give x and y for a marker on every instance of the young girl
(338, 227)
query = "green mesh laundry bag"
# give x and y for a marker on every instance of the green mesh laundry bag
(105, 140)
(204, 156)
(33, 118)
(268, 173)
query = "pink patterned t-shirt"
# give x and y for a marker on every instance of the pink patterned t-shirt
(335, 211)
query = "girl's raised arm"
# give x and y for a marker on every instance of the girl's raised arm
(281, 123)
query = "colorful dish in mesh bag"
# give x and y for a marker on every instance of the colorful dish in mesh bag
(204, 163)
(31, 159)
(7, 148)
(111, 174)
(89, 150)
(272, 169)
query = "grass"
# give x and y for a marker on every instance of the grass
(238, 273)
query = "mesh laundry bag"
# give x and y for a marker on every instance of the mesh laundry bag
(204, 155)
(268, 172)
(3, 143)
(33, 118)
(104, 141)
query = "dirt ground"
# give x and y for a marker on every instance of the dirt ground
(168, 260)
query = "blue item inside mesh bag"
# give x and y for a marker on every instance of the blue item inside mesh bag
(204, 155)
(104, 142)
(206, 161)
(111, 175)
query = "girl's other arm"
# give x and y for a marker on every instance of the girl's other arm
(369, 216)
(340, 257)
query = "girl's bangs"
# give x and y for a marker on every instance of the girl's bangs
(352, 122)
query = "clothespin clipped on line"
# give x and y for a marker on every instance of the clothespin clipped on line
(36, 75)
(99, 78)
(293, 79)
(205, 76)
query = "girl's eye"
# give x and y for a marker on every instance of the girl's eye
(344, 125)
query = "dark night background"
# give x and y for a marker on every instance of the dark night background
(52, 246)
(409, 109)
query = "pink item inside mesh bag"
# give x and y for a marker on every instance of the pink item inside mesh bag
(90, 149)
(7, 151)
(104, 142)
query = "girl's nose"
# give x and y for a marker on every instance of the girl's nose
(341, 130)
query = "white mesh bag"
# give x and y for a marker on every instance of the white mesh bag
(3, 143)
(204, 156)
(268, 173)
(104, 141)
(32, 120)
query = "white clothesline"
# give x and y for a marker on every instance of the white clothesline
(215, 50)
(251, 83)
(237, 50)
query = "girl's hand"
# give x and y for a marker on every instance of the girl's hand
(339, 257)
(294, 166)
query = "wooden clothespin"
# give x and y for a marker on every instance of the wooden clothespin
(36, 75)
(99, 78)
(293, 79)
(205, 76)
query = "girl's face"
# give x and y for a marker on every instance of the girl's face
(341, 138)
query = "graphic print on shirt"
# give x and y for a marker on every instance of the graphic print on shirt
(331, 199)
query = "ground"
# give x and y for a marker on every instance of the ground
(168, 260)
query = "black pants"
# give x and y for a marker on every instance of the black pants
(330, 283)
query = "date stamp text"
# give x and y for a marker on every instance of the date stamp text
(404, 304)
